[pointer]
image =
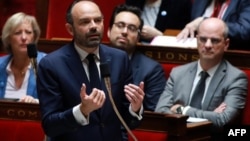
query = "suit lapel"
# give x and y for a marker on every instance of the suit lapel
(135, 66)
(201, 8)
(74, 64)
(214, 83)
(188, 85)
(230, 8)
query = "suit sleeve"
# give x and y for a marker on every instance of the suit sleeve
(235, 92)
(166, 99)
(155, 83)
(54, 120)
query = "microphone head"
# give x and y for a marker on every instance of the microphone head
(32, 51)
(104, 68)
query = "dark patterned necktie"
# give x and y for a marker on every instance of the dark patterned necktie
(93, 72)
(199, 91)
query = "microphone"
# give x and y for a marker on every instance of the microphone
(32, 53)
(105, 73)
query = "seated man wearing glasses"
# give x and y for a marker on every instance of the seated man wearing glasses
(124, 33)
(223, 96)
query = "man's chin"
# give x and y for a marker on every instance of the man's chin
(94, 43)
(120, 46)
(208, 57)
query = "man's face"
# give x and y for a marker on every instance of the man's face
(211, 42)
(87, 25)
(125, 31)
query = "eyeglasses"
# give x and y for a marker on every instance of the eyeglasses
(131, 28)
(214, 41)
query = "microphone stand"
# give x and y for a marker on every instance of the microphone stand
(106, 75)
(32, 53)
(34, 65)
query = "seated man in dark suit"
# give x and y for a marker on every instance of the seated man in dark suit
(124, 32)
(223, 96)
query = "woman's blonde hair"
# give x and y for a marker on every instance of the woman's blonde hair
(13, 22)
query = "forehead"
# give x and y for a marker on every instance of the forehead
(86, 9)
(24, 24)
(127, 17)
(211, 29)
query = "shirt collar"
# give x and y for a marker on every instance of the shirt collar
(8, 69)
(211, 71)
(83, 54)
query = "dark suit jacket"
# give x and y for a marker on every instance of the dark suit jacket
(151, 72)
(236, 17)
(228, 85)
(178, 13)
(60, 77)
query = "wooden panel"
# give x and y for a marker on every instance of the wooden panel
(171, 32)
(173, 124)
(19, 111)
(239, 58)
(163, 54)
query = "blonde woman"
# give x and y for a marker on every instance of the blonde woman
(17, 78)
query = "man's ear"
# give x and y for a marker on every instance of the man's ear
(227, 42)
(69, 28)
(138, 36)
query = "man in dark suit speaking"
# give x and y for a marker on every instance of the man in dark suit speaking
(72, 107)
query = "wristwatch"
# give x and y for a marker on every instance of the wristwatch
(179, 110)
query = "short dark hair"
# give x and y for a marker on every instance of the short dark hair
(69, 18)
(126, 8)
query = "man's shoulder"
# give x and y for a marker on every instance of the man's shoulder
(231, 69)
(146, 59)
(111, 50)
(57, 54)
(109, 47)
(185, 66)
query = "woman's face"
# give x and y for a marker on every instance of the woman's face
(23, 34)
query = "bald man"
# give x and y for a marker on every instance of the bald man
(72, 108)
(225, 88)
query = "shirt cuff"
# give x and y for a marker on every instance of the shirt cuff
(80, 118)
(185, 110)
(138, 116)
(36, 100)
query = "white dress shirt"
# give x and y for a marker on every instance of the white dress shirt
(80, 118)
